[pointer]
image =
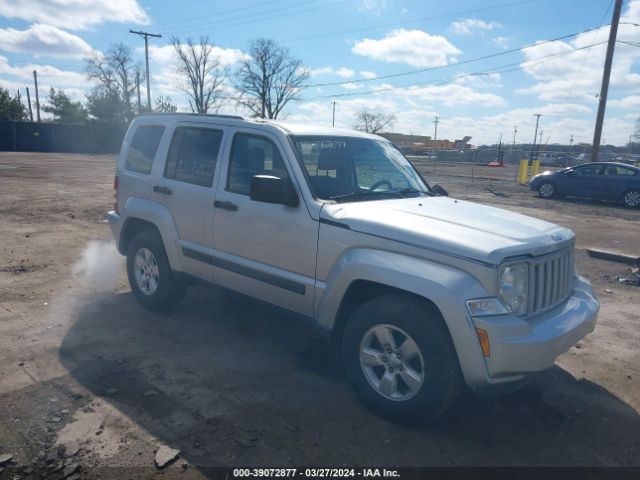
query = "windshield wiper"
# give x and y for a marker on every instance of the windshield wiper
(361, 194)
(406, 191)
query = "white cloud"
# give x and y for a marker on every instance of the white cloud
(74, 14)
(368, 74)
(374, 7)
(631, 101)
(502, 42)
(413, 47)
(44, 40)
(47, 74)
(166, 54)
(468, 25)
(450, 95)
(577, 76)
(404, 11)
(342, 72)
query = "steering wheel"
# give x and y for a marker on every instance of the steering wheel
(380, 183)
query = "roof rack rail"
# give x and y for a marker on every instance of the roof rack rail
(187, 114)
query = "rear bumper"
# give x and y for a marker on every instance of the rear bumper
(520, 348)
(115, 222)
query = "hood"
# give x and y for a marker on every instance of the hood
(443, 224)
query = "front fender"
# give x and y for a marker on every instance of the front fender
(445, 286)
(160, 216)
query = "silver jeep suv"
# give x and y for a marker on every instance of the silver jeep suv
(419, 292)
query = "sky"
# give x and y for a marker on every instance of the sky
(460, 60)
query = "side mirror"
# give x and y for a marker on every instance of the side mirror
(439, 191)
(270, 189)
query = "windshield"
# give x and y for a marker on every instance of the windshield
(357, 169)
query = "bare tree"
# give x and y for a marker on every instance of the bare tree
(115, 74)
(165, 105)
(201, 74)
(373, 122)
(270, 79)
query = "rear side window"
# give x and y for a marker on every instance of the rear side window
(193, 155)
(142, 149)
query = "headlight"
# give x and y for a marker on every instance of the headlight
(513, 287)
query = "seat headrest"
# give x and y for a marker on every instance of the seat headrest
(332, 158)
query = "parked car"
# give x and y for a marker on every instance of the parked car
(598, 180)
(420, 293)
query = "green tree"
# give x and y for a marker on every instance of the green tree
(164, 104)
(63, 109)
(106, 105)
(11, 108)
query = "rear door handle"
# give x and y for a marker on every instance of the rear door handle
(161, 189)
(232, 207)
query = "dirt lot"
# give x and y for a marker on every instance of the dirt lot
(89, 377)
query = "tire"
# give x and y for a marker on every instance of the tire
(151, 279)
(547, 190)
(436, 364)
(631, 198)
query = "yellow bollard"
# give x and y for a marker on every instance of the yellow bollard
(535, 167)
(523, 171)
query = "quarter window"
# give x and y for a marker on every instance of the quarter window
(143, 147)
(193, 155)
(253, 155)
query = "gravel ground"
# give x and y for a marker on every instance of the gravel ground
(90, 381)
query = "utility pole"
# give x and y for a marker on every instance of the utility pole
(571, 141)
(606, 74)
(35, 79)
(146, 36)
(29, 102)
(138, 89)
(515, 130)
(535, 136)
(333, 121)
(435, 136)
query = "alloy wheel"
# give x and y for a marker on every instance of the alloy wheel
(146, 271)
(392, 362)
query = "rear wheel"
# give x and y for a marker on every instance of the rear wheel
(547, 190)
(152, 282)
(399, 357)
(631, 198)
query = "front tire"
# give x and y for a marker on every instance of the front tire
(547, 190)
(399, 357)
(152, 281)
(631, 198)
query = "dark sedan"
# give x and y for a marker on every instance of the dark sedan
(598, 180)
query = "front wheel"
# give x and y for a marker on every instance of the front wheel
(399, 357)
(150, 276)
(631, 198)
(547, 190)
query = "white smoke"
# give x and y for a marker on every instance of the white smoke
(98, 266)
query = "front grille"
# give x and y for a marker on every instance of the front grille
(550, 281)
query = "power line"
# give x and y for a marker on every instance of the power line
(499, 69)
(450, 65)
(217, 14)
(406, 22)
(232, 25)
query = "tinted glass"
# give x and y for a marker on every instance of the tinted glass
(142, 149)
(616, 170)
(253, 155)
(588, 170)
(193, 155)
(356, 168)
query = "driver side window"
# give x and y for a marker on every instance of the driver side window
(253, 155)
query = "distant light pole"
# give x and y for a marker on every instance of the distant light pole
(435, 136)
(535, 136)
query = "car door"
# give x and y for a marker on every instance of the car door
(584, 181)
(185, 186)
(616, 180)
(265, 250)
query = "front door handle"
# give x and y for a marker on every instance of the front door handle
(162, 189)
(232, 207)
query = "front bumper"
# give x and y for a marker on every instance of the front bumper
(115, 222)
(523, 347)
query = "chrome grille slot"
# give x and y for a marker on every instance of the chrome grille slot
(550, 281)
